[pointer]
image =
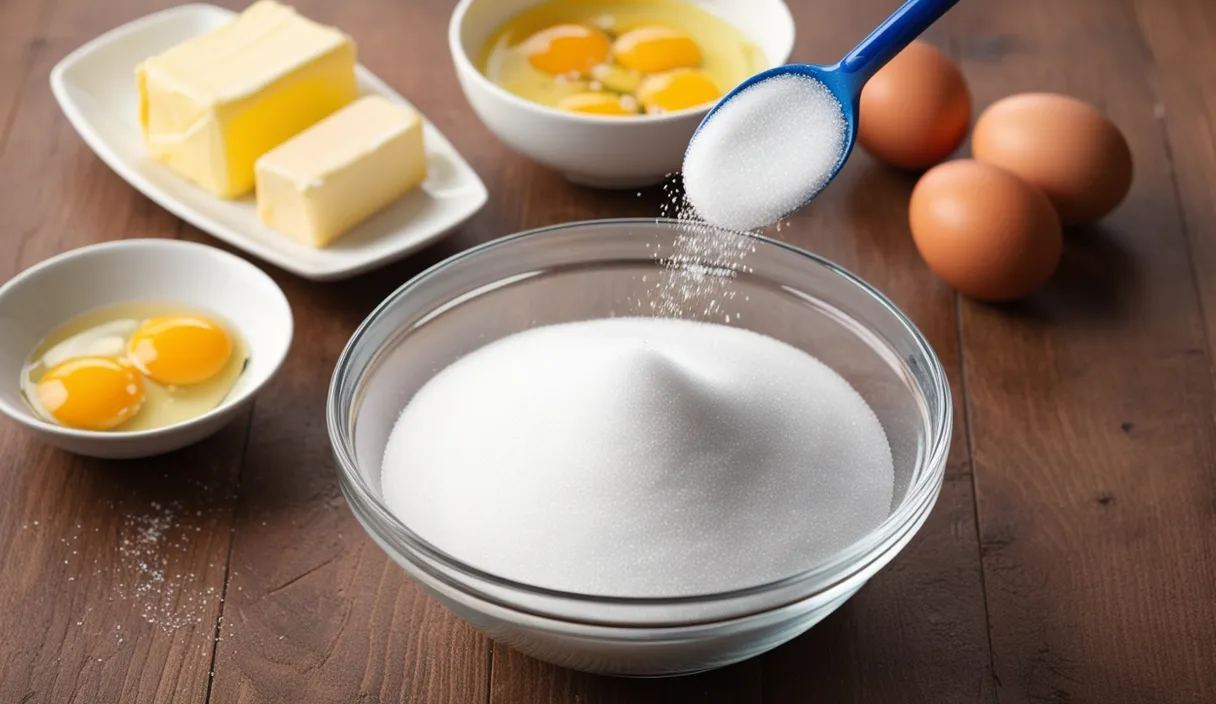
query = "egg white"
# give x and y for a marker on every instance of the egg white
(105, 333)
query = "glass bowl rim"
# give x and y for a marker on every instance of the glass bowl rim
(826, 574)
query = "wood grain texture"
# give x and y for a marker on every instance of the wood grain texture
(21, 38)
(1091, 404)
(112, 572)
(314, 611)
(1089, 409)
(1179, 35)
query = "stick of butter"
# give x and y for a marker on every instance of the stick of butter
(211, 106)
(327, 179)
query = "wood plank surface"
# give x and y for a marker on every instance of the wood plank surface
(1091, 404)
(22, 24)
(1084, 422)
(112, 571)
(1179, 36)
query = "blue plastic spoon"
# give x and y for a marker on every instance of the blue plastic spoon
(846, 78)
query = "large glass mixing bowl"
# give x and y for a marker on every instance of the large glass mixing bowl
(599, 269)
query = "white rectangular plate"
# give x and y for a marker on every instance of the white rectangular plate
(95, 87)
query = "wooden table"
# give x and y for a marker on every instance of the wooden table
(1070, 558)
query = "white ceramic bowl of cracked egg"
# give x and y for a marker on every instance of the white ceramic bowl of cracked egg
(48, 294)
(593, 150)
(585, 271)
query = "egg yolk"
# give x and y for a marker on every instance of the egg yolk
(567, 49)
(677, 90)
(656, 49)
(180, 350)
(599, 104)
(91, 393)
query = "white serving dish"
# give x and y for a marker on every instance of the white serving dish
(594, 150)
(95, 87)
(46, 295)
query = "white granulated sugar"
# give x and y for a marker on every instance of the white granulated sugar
(764, 153)
(639, 457)
(163, 593)
(699, 267)
(698, 272)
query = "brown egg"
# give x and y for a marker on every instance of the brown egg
(916, 110)
(1062, 145)
(987, 233)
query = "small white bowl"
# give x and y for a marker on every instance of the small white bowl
(46, 295)
(609, 152)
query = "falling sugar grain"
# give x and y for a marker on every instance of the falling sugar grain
(699, 266)
(760, 157)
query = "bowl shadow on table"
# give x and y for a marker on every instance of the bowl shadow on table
(197, 482)
(549, 198)
(819, 655)
(519, 678)
(660, 199)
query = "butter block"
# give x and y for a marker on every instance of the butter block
(329, 178)
(209, 107)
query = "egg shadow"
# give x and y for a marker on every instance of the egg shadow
(1097, 280)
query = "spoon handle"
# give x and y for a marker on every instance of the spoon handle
(905, 24)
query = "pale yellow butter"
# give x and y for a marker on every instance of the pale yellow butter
(211, 106)
(324, 181)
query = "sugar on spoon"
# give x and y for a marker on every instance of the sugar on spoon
(774, 142)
